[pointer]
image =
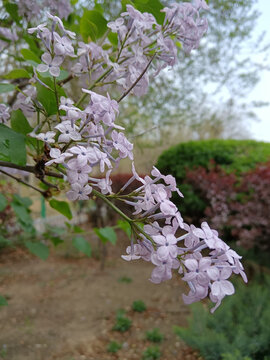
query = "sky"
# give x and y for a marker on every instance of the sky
(261, 130)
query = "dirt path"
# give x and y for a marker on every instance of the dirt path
(64, 309)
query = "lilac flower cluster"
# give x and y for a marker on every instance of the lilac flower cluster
(32, 8)
(6, 33)
(87, 139)
(140, 39)
(201, 257)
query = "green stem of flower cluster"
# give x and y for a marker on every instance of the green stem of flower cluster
(135, 227)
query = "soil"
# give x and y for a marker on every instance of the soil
(64, 308)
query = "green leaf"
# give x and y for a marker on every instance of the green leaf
(151, 6)
(47, 99)
(12, 9)
(12, 146)
(56, 240)
(6, 88)
(113, 38)
(30, 55)
(47, 96)
(63, 75)
(19, 122)
(23, 201)
(124, 4)
(62, 207)
(82, 245)
(33, 46)
(77, 229)
(92, 25)
(38, 249)
(22, 214)
(106, 234)
(20, 207)
(3, 301)
(124, 225)
(17, 74)
(3, 202)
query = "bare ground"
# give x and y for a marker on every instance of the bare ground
(64, 309)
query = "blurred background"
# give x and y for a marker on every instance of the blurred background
(206, 122)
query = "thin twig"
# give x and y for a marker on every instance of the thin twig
(23, 182)
(30, 169)
(21, 85)
(63, 82)
(136, 82)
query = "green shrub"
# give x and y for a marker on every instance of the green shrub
(151, 353)
(122, 323)
(154, 335)
(139, 306)
(239, 329)
(113, 347)
(232, 155)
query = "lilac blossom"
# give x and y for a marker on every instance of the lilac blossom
(51, 64)
(25, 101)
(220, 286)
(4, 113)
(197, 270)
(78, 174)
(68, 132)
(79, 192)
(57, 157)
(163, 269)
(121, 144)
(8, 33)
(166, 246)
(63, 46)
(47, 137)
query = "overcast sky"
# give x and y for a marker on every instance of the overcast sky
(261, 130)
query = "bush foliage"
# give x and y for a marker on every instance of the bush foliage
(226, 183)
(232, 155)
(238, 330)
(236, 206)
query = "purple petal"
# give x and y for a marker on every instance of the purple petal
(57, 60)
(163, 252)
(213, 273)
(46, 58)
(198, 232)
(216, 288)
(54, 71)
(204, 264)
(207, 230)
(42, 68)
(191, 264)
(171, 239)
(72, 195)
(225, 273)
(159, 239)
(189, 276)
(227, 287)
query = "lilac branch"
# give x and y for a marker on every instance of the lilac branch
(30, 168)
(43, 193)
(136, 82)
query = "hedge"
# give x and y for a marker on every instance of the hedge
(233, 155)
